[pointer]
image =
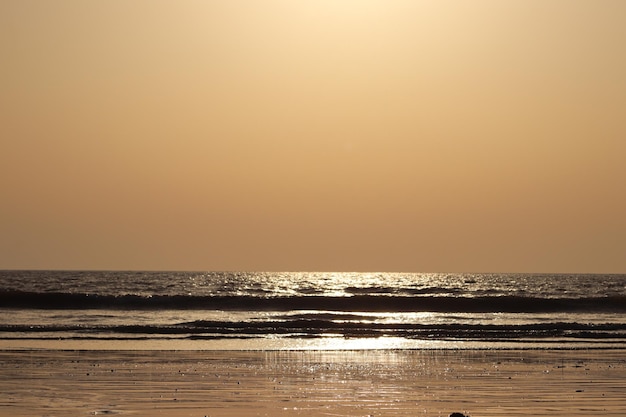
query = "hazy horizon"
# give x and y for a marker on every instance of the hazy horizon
(344, 135)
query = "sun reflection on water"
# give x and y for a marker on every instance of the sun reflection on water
(370, 343)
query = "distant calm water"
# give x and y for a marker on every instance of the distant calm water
(255, 310)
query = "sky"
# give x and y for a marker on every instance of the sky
(326, 135)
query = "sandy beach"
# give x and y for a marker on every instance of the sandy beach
(313, 383)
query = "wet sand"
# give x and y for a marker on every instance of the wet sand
(313, 383)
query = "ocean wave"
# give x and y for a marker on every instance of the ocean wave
(355, 303)
(318, 327)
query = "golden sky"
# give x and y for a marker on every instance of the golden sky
(335, 135)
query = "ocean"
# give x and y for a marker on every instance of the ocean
(310, 310)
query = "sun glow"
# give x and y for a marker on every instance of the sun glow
(343, 8)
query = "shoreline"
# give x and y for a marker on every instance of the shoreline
(316, 383)
(301, 344)
(373, 349)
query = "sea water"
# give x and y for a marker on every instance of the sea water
(307, 310)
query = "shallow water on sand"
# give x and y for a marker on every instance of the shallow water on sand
(313, 383)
